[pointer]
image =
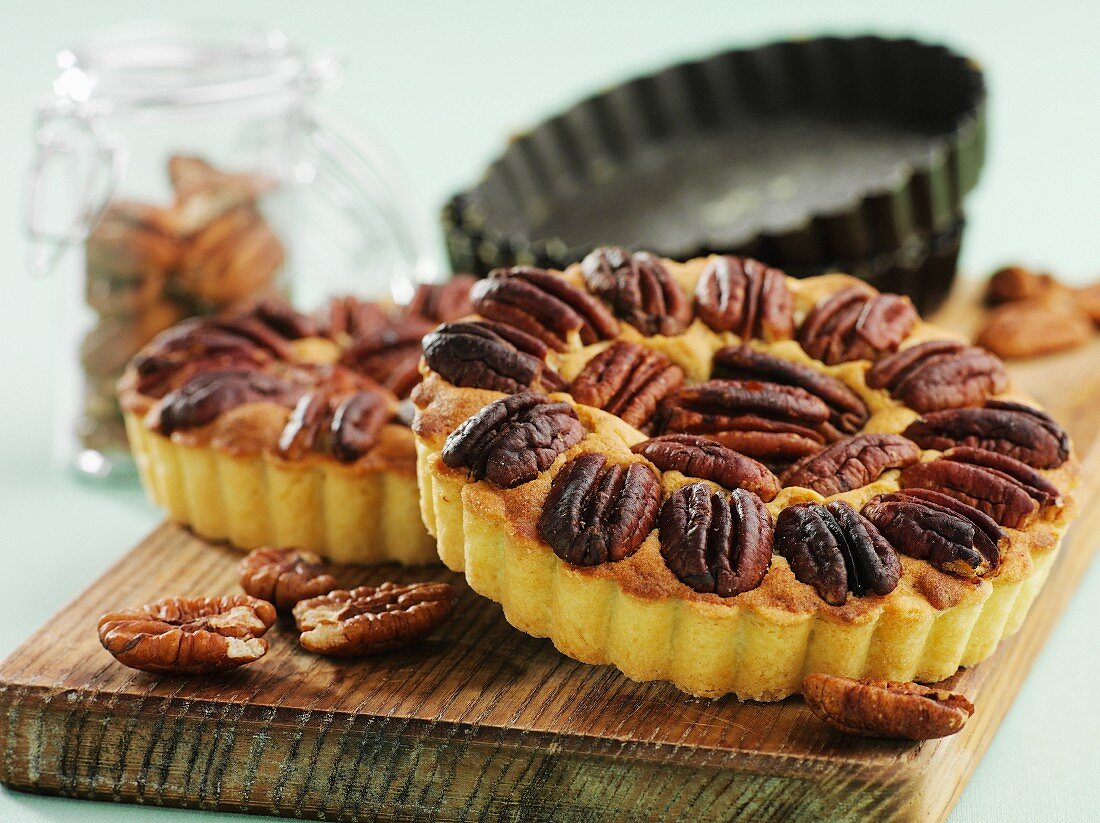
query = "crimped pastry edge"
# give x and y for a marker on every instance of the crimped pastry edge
(258, 500)
(707, 651)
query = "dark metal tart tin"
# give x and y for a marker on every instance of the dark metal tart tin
(808, 154)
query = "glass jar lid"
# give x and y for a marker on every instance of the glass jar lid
(145, 65)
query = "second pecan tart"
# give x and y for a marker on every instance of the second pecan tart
(715, 475)
(272, 427)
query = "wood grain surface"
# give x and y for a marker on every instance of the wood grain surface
(482, 722)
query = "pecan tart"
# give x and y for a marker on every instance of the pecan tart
(713, 474)
(267, 426)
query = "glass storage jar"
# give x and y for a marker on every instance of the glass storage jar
(185, 167)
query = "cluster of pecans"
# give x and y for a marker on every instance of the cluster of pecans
(1032, 314)
(207, 366)
(202, 635)
(148, 267)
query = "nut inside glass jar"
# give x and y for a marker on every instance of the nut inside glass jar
(186, 168)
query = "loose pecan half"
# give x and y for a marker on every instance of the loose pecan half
(949, 534)
(881, 708)
(1024, 432)
(1010, 492)
(714, 543)
(599, 513)
(770, 422)
(443, 302)
(284, 576)
(544, 304)
(939, 374)
(1012, 283)
(487, 355)
(368, 620)
(639, 289)
(188, 635)
(836, 550)
(512, 439)
(743, 296)
(208, 394)
(704, 458)
(627, 380)
(848, 413)
(849, 464)
(1052, 322)
(856, 323)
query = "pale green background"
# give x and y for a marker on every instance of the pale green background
(444, 84)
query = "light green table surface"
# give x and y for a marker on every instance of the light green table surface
(443, 84)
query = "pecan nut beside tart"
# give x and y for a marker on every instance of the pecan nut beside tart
(769, 422)
(939, 374)
(369, 620)
(513, 439)
(599, 513)
(284, 576)
(746, 297)
(1012, 283)
(628, 381)
(188, 635)
(716, 543)
(1014, 429)
(836, 550)
(848, 413)
(1010, 492)
(1049, 323)
(952, 536)
(484, 354)
(851, 463)
(547, 306)
(856, 323)
(881, 708)
(639, 289)
(706, 459)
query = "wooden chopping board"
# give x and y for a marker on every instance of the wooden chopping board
(483, 722)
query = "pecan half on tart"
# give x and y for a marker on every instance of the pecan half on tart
(713, 474)
(269, 426)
